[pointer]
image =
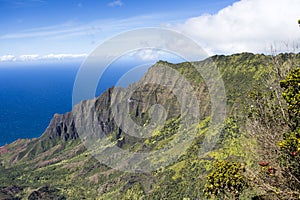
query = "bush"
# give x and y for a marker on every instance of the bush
(226, 180)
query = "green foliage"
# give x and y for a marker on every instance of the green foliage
(230, 129)
(291, 141)
(291, 86)
(136, 192)
(226, 180)
(77, 175)
(290, 144)
(162, 136)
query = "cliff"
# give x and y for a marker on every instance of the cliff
(63, 158)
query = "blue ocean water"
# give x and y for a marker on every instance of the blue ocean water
(31, 94)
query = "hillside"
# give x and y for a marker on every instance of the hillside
(58, 165)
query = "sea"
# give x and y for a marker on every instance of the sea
(31, 93)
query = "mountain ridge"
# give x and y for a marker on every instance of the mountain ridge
(61, 150)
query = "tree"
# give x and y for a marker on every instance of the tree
(291, 94)
(290, 144)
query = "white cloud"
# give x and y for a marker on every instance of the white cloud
(36, 57)
(247, 25)
(28, 57)
(116, 3)
(62, 56)
(6, 58)
(152, 55)
(147, 55)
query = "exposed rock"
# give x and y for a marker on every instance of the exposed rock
(9, 193)
(46, 193)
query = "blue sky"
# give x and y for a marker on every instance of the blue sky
(76, 27)
(51, 29)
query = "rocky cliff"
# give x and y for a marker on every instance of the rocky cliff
(144, 117)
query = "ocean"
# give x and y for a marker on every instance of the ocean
(30, 94)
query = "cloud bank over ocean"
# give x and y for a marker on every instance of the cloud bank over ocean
(247, 25)
(36, 57)
(254, 26)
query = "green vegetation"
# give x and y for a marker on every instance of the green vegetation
(290, 144)
(136, 192)
(226, 180)
(255, 157)
(291, 93)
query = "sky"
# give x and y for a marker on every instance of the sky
(54, 29)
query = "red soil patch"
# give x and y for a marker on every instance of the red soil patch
(3, 150)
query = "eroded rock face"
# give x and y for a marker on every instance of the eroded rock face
(46, 193)
(62, 126)
(117, 107)
(3, 150)
(60, 153)
(159, 86)
(9, 193)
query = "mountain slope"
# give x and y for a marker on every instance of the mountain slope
(58, 164)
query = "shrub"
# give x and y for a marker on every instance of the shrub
(225, 180)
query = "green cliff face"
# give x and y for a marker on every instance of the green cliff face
(59, 166)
